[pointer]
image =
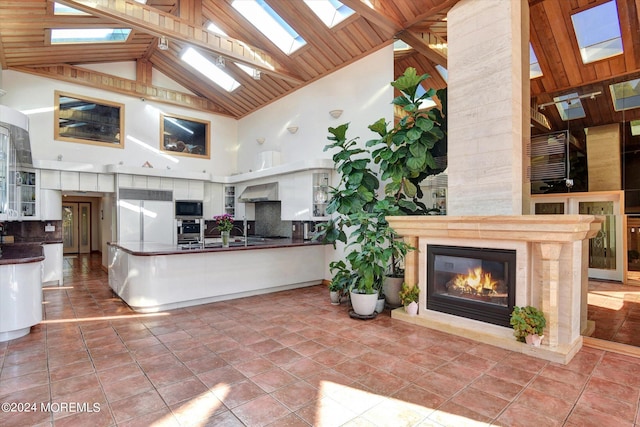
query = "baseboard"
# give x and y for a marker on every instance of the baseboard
(615, 347)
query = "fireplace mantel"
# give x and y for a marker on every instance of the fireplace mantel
(552, 273)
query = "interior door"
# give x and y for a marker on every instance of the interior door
(76, 227)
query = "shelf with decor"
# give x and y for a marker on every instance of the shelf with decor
(229, 199)
(320, 194)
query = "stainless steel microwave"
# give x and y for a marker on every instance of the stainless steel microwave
(188, 209)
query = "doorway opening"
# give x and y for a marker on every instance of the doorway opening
(76, 227)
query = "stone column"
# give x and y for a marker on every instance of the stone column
(550, 289)
(488, 107)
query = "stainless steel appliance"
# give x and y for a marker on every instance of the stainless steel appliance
(188, 209)
(190, 230)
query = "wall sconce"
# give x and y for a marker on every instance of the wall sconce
(292, 129)
(335, 113)
(220, 62)
(260, 140)
(59, 157)
(257, 74)
(163, 43)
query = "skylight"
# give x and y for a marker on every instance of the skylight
(534, 67)
(331, 12)
(625, 95)
(209, 70)
(401, 45)
(569, 106)
(89, 35)
(269, 23)
(598, 32)
(444, 73)
(635, 127)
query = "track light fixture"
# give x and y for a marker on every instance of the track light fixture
(163, 43)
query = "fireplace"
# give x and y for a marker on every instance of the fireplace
(476, 283)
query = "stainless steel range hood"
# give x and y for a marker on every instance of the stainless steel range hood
(260, 193)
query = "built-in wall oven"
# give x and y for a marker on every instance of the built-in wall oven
(189, 221)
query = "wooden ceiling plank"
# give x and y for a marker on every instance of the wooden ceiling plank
(163, 24)
(95, 79)
(373, 15)
(560, 21)
(628, 31)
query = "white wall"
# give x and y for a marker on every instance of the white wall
(361, 89)
(34, 96)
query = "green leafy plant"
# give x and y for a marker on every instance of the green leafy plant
(409, 294)
(407, 153)
(527, 321)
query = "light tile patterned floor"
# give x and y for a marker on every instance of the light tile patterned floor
(288, 359)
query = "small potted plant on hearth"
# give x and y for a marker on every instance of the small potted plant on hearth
(528, 324)
(409, 296)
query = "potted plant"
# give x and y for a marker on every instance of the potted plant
(409, 296)
(528, 324)
(341, 282)
(406, 155)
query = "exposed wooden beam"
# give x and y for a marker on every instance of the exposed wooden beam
(427, 45)
(362, 8)
(153, 21)
(95, 79)
(144, 71)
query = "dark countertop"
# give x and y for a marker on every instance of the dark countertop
(147, 248)
(21, 253)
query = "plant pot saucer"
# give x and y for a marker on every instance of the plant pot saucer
(355, 315)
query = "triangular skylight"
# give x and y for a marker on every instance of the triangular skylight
(598, 32)
(401, 45)
(569, 106)
(444, 73)
(89, 35)
(209, 70)
(534, 67)
(625, 95)
(269, 23)
(331, 12)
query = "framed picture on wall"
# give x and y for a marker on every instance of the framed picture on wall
(78, 118)
(184, 136)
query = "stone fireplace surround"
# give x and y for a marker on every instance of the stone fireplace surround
(551, 273)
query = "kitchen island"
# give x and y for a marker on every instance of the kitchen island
(20, 289)
(151, 277)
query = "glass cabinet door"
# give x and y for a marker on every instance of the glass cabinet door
(320, 194)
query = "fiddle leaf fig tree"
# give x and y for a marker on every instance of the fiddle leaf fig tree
(406, 154)
(415, 147)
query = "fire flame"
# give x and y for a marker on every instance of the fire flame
(476, 281)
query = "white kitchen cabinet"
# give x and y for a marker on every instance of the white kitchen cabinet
(166, 183)
(153, 182)
(88, 181)
(50, 205)
(124, 180)
(304, 195)
(139, 181)
(188, 189)
(50, 179)
(69, 181)
(320, 194)
(229, 199)
(52, 264)
(213, 199)
(106, 183)
(27, 194)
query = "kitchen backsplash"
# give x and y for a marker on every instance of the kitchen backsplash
(268, 222)
(33, 231)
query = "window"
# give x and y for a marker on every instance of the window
(184, 136)
(331, 12)
(569, 106)
(444, 73)
(89, 35)
(598, 32)
(534, 66)
(625, 95)
(87, 120)
(209, 70)
(269, 23)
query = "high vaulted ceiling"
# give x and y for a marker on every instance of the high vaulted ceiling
(25, 46)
